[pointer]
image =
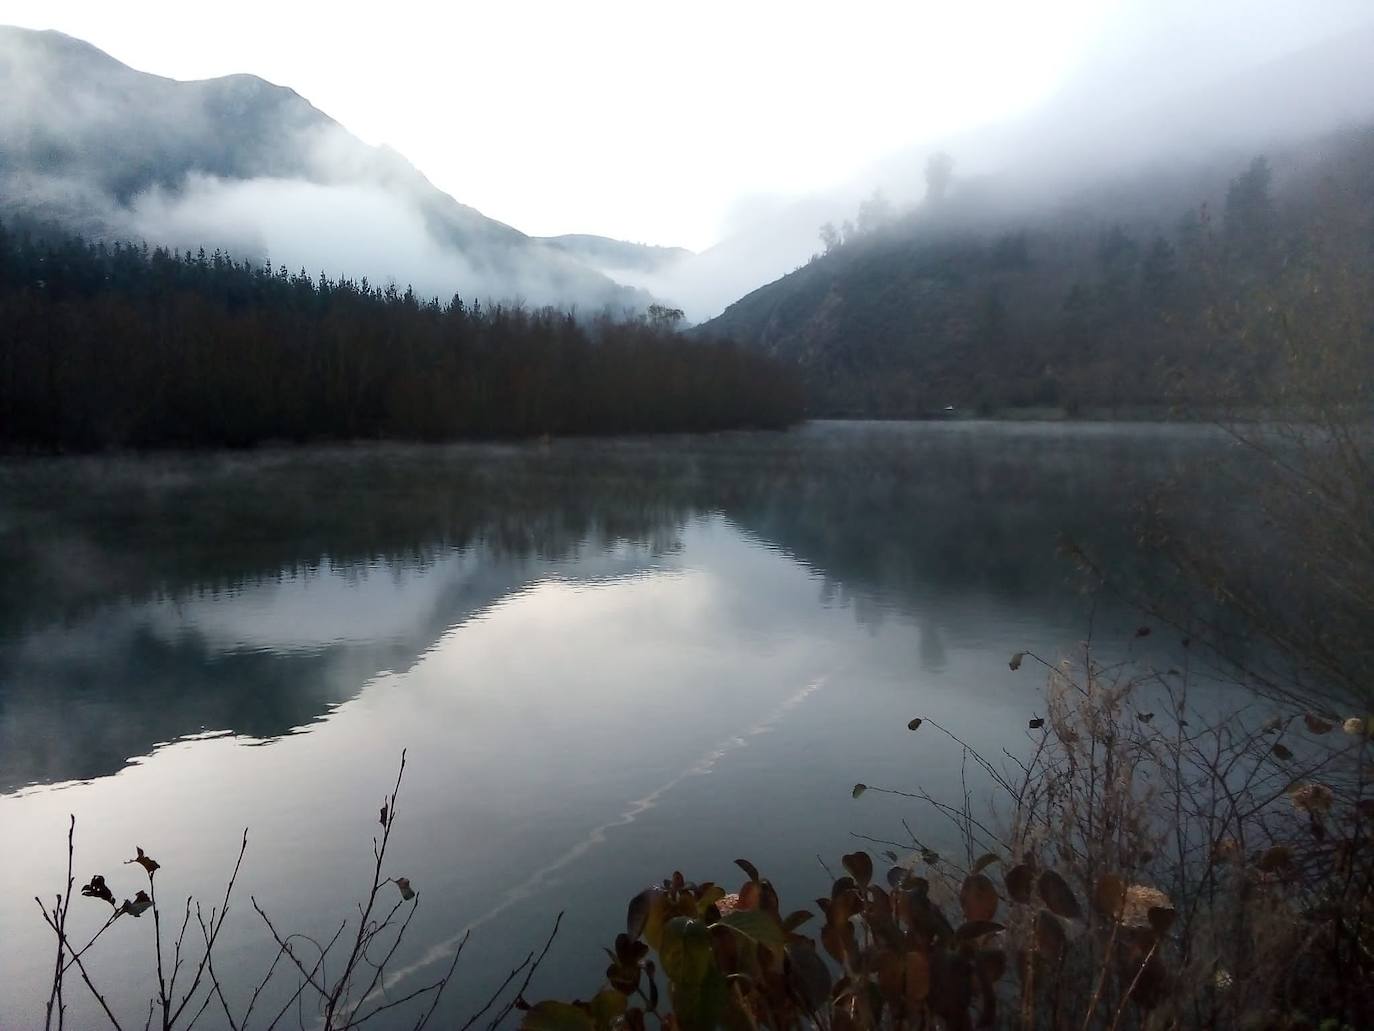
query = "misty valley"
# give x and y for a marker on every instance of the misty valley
(926, 587)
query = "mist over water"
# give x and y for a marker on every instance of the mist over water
(605, 659)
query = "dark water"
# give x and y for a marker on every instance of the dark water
(606, 659)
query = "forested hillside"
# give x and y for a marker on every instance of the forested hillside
(239, 163)
(125, 346)
(1133, 294)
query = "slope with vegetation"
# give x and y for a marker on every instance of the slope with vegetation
(1104, 301)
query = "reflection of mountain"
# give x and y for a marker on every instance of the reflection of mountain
(153, 599)
(81, 699)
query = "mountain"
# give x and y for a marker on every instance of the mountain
(1103, 297)
(616, 256)
(1123, 114)
(239, 163)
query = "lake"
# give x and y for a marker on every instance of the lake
(606, 660)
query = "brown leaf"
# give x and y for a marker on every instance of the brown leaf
(1316, 725)
(749, 868)
(1226, 848)
(859, 789)
(1059, 896)
(1036, 723)
(917, 978)
(1109, 895)
(1050, 939)
(1151, 985)
(1314, 798)
(914, 724)
(978, 898)
(1143, 631)
(1277, 857)
(860, 867)
(1015, 662)
(146, 862)
(976, 929)
(1161, 919)
(984, 861)
(991, 964)
(1020, 879)
(383, 817)
(404, 884)
(1281, 751)
(750, 894)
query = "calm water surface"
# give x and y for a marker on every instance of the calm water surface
(606, 659)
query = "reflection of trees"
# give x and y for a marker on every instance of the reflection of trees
(888, 517)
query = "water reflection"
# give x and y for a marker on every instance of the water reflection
(606, 658)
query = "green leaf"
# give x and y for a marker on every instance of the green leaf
(557, 1016)
(607, 1005)
(686, 950)
(758, 925)
(699, 1005)
(709, 895)
(643, 908)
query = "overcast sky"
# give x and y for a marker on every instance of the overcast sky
(659, 122)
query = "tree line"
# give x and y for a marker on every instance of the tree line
(125, 345)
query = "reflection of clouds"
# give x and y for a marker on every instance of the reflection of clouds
(314, 608)
(382, 600)
(545, 876)
(932, 649)
(86, 697)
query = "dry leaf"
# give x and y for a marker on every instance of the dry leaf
(141, 902)
(98, 889)
(914, 724)
(1109, 896)
(1316, 725)
(1311, 798)
(1278, 857)
(978, 898)
(1059, 896)
(144, 861)
(859, 789)
(1015, 662)
(984, 861)
(1019, 880)
(404, 884)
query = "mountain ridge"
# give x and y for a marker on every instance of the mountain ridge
(238, 162)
